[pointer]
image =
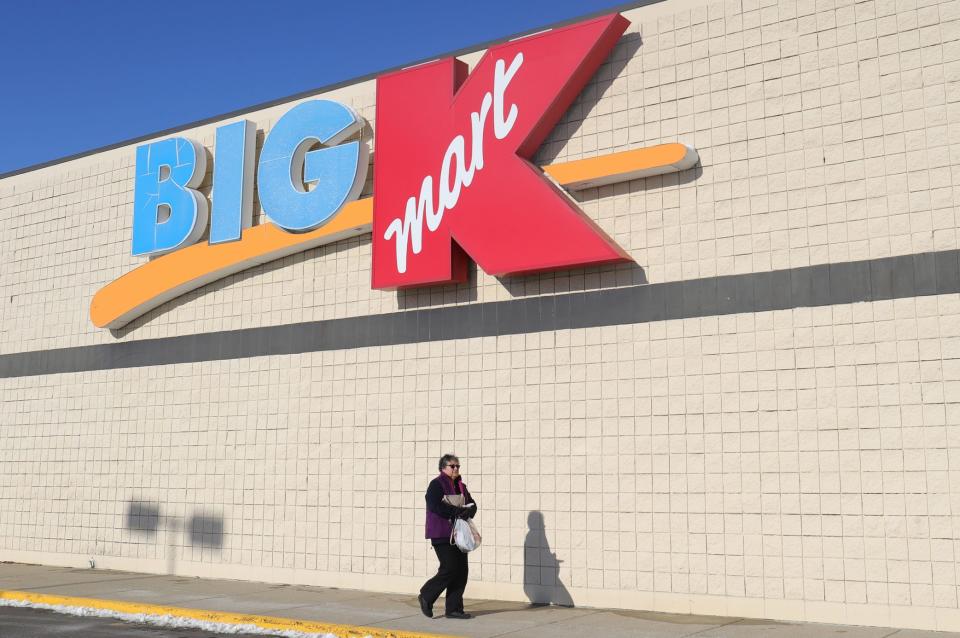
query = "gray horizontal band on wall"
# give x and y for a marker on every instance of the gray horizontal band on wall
(922, 274)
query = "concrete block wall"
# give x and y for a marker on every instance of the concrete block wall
(789, 459)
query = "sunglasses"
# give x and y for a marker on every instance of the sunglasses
(456, 467)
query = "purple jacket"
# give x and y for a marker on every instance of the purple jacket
(439, 513)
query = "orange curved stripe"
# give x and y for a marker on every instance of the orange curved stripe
(171, 275)
(176, 273)
(623, 166)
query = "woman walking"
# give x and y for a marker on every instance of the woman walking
(447, 499)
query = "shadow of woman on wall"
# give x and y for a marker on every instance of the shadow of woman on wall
(541, 567)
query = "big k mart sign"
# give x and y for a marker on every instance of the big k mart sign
(452, 179)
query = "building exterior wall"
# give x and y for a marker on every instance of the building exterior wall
(771, 431)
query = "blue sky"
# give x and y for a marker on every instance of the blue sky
(81, 75)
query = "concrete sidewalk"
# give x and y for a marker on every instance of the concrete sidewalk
(401, 612)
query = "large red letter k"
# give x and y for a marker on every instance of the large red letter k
(452, 171)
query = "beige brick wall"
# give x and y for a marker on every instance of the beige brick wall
(788, 464)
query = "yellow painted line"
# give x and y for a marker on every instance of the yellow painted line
(169, 276)
(264, 622)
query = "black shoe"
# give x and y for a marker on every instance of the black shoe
(425, 607)
(462, 615)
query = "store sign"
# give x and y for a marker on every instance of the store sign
(470, 187)
(169, 213)
(452, 179)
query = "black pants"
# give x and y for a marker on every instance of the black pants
(451, 576)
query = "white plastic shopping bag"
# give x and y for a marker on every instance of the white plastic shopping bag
(465, 535)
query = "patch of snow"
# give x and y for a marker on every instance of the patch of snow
(173, 622)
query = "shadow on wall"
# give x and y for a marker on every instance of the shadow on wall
(203, 529)
(206, 530)
(425, 296)
(541, 567)
(143, 517)
(589, 97)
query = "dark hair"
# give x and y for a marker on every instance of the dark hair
(445, 459)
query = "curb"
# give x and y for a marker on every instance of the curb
(200, 618)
